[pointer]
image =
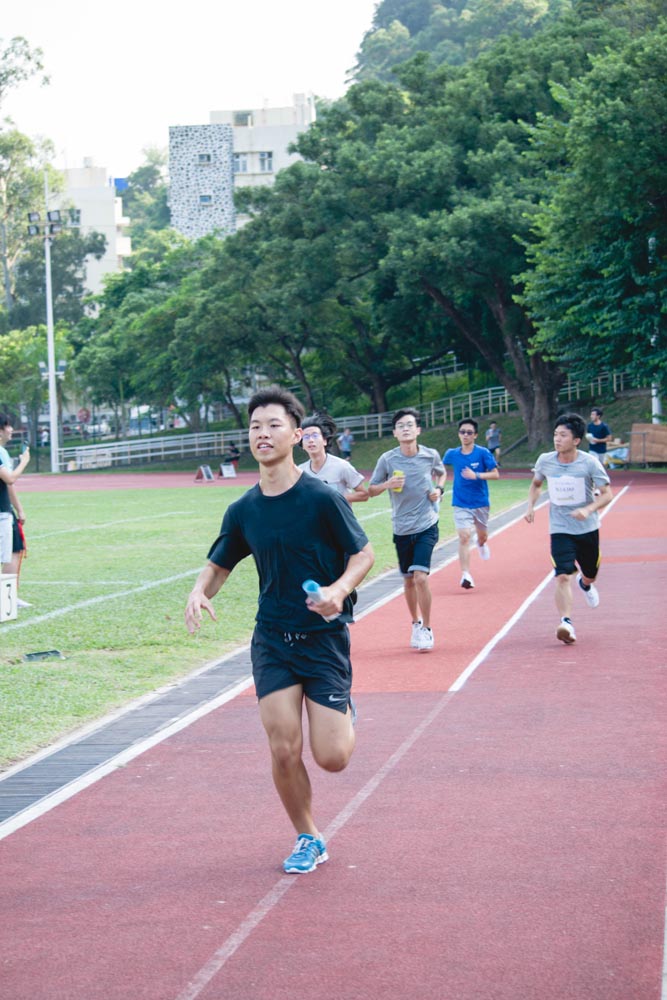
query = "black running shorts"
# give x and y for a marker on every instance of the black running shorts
(570, 551)
(414, 551)
(318, 661)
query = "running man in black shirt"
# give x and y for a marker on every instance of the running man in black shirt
(296, 528)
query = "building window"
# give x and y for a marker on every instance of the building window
(205, 199)
(242, 118)
(240, 163)
(266, 163)
(204, 159)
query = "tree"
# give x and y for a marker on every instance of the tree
(124, 353)
(441, 172)
(145, 199)
(451, 32)
(597, 286)
(21, 191)
(18, 63)
(69, 250)
(21, 385)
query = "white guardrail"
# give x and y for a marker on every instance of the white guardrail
(482, 402)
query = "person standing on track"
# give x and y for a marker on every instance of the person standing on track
(493, 437)
(12, 543)
(473, 466)
(578, 488)
(340, 474)
(414, 476)
(598, 434)
(296, 528)
(346, 443)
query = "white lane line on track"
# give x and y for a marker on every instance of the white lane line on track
(106, 524)
(120, 760)
(58, 612)
(264, 907)
(519, 613)
(79, 583)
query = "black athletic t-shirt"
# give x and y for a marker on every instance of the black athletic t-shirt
(307, 533)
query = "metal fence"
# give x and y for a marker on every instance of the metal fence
(480, 403)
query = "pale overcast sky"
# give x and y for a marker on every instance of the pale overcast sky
(123, 72)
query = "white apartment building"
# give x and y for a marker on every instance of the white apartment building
(262, 136)
(239, 148)
(92, 192)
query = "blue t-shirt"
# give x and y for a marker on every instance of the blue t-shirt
(306, 533)
(470, 493)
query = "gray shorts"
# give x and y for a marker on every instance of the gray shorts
(6, 537)
(467, 518)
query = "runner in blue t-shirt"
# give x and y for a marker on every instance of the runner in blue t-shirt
(296, 528)
(473, 466)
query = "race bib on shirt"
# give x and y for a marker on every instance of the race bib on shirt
(567, 491)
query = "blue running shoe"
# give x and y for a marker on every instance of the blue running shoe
(308, 853)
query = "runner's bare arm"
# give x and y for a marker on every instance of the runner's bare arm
(9, 476)
(358, 495)
(209, 582)
(597, 503)
(533, 496)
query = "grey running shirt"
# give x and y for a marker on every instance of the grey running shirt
(335, 472)
(570, 486)
(411, 510)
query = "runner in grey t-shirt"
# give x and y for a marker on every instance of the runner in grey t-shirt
(578, 487)
(414, 477)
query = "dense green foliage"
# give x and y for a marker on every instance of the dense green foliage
(597, 283)
(452, 33)
(145, 199)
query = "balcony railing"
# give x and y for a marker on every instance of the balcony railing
(480, 403)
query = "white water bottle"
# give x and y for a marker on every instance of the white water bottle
(315, 593)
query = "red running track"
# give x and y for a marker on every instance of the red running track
(502, 841)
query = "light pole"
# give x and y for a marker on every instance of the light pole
(51, 227)
(656, 404)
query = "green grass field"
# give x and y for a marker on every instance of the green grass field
(108, 573)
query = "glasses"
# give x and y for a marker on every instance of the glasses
(466, 432)
(405, 427)
(313, 436)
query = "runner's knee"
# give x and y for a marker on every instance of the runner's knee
(286, 749)
(333, 758)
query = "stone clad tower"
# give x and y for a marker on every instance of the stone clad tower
(201, 179)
